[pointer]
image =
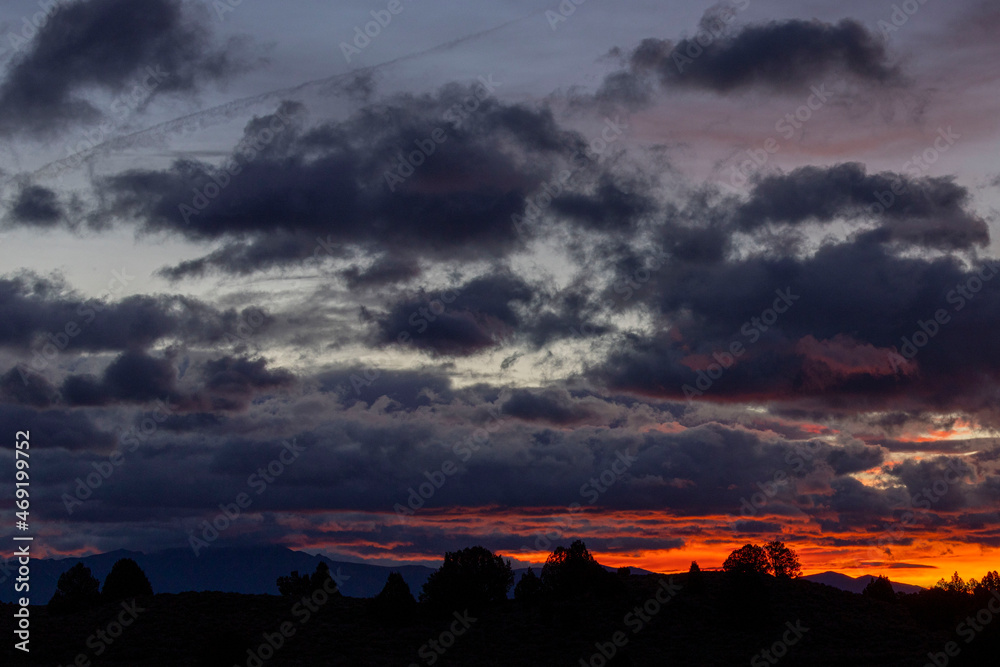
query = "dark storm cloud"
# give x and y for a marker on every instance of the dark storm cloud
(781, 55)
(384, 271)
(115, 46)
(36, 206)
(551, 406)
(69, 429)
(132, 377)
(928, 211)
(355, 462)
(408, 389)
(36, 311)
(227, 383)
(27, 389)
(231, 382)
(304, 193)
(611, 207)
(472, 317)
(851, 309)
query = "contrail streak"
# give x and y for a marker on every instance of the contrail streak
(233, 108)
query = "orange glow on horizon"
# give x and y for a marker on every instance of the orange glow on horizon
(918, 555)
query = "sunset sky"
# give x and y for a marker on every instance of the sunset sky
(400, 277)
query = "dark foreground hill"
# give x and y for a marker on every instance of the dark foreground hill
(798, 622)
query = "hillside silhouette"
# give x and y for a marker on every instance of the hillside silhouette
(574, 612)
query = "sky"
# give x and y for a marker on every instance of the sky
(385, 280)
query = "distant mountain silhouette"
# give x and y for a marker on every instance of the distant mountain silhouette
(856, 584)
(254, 570)
(250, 570)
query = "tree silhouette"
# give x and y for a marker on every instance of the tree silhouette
(782, 561)
(529, 588)
(569, 572)
(748, 559)
(395, 604)
(989, 583)
(956, 585)
(880, 588)
(297, 585)
(695, 580)
(469, 579)
(77, 589)
(125, 581)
